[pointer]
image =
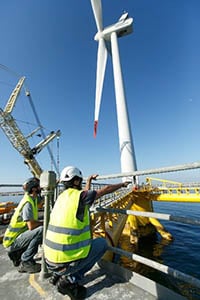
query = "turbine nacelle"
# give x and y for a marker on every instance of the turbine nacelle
(122, 28)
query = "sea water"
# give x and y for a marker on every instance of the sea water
(182, 254)
(15, 199)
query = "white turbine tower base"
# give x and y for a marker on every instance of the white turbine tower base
(110, 34)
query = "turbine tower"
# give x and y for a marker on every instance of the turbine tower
(109, 36)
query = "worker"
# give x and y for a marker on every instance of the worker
(25, 232)
(69, 249)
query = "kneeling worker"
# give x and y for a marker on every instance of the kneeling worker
(69, 249)
(25, 231)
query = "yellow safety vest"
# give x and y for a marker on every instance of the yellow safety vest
(17, 225)
(67, 238)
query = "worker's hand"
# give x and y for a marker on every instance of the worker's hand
(126, 183)
(93, 176)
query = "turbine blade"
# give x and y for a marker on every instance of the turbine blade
(95, 128)
(101, 66)
(97, 10)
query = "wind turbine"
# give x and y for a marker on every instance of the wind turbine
(109, 36)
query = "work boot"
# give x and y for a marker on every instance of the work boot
(54, 279)
(73, 290)
(15, 256)
(29, 267)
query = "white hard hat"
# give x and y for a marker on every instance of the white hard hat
(69, 173)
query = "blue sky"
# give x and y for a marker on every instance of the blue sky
(51, 44)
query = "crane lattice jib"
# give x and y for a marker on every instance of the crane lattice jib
(34, 167)
(19, 142)
(13, 98)
(13, 133)
(16, 137)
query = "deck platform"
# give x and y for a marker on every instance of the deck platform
(104, 281)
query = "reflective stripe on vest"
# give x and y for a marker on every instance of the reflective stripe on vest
(17, 225)
(67, 238)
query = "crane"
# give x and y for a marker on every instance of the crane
(16, 137)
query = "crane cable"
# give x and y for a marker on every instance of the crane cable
(42, 131)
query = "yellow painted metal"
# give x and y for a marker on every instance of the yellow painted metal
(160, 229)
(109, 225)
(189, 198)
(164, 181)
(112, 225)
(140, 198)
(143, 226)
(171, 191)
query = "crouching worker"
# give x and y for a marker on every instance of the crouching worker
(25, 231)
(69, 249)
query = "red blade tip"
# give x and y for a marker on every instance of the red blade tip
(95, 128)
